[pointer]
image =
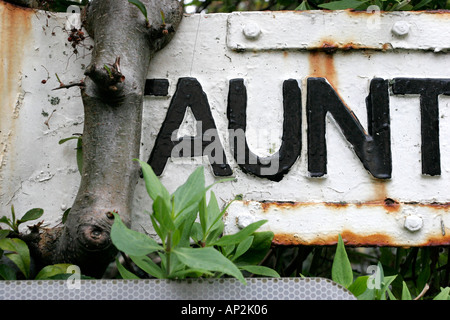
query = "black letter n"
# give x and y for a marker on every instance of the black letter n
(372, 148)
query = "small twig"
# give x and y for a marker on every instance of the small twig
(48, 119)
(70, 85)
(116, 65)
(425, 289)
(44, 81)
(59, 80)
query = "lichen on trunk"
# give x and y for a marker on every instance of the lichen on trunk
(112, 95)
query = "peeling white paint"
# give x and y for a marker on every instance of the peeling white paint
(35, 171)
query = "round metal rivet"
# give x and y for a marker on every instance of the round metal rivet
(251, 31)
(413, 223)
(400, 28)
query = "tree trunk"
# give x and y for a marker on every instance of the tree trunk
(124, 43)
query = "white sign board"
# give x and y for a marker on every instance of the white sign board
(330, 122)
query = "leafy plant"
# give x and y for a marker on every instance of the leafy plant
(190, 232)
(16, 250)
(14, 223)
(374, 287)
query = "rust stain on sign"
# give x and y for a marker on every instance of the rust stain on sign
(15, 36)
(15, 30)
(349, 238)
(321, 64)
(313, 223)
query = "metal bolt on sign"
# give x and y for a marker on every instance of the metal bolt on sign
(251, 31)
(400, 28)
(413, 223)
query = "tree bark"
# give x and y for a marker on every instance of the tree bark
(112, 95)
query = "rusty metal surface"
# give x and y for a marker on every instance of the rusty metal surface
(15, 31)
(264, 50)
(339, 30)
(375, 223)
(35, 171)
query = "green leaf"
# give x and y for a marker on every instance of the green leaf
(341, 271)
(5, 220)
(214, 213)
(191, 273)
(209, 259)
(7, 273)
(391, 295)
(203, 215)
(13, 220)
(32, 214)
(261, 244)
(153, 186)
(443, 295)
(359, 286)
(215, 233)
(20, 254)
(369, 294)
(4, 234)
(163, 17)
(243, 247)
(386, 282)
(239, 236)
(65, 215)
(162, 211)
(147, 265)
(191, 192)
(67, 139)
(303, 6)
(261, 270)
(342, 4)
(406, 295)
(131, 242)
(52, 270)
(196, 232)
(124, 273)
(141, 7)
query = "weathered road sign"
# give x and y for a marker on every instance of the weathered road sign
(331, 123)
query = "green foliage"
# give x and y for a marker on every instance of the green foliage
(342, 270)
(141, 7)
(14, 223)
(190, 231)
(377, 286)
(16, 250)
